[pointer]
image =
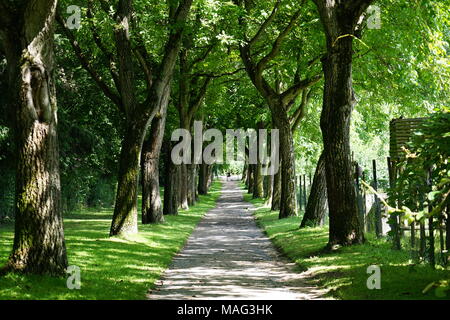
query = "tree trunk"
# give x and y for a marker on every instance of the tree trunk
(288, 206)
(125, 210)
(151, 198)
(317, 201)
(251, 178)
(258, 183)
(39, 245)
(269, 190)
(183, 189)
(276, 192)
(244, 172)
(247, 176)
(335, 123)
(203, 179)
(171, 184)
(193, 190)
(210, 177)
(340, 21)
(258, 187)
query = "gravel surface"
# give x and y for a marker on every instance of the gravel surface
(228, 257)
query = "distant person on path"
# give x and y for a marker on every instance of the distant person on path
(228, 176)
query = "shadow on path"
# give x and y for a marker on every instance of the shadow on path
(228, 257)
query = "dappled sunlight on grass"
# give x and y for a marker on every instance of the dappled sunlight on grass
(344, 272)
(111, 268)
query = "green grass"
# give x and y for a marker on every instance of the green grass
(344, 272)
(111, 268)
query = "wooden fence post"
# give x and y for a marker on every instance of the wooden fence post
(304, 191)
(431, 226)
(377, 215)
(423, 236)
(395, 225)
(300, 192)
(361, 214)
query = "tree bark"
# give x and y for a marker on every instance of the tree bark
(192, 190)
(251, 178)
(171, 184)
(125, 211)
(27, 37)
(183, 190)
(151, 198)
(210, 177)
(340, 20)
(288, 206)
(203, 179)
(317, 201)
(244, 173)
(258, 187)
(276, 192)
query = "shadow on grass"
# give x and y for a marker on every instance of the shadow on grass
(344, 272)
(111, 268)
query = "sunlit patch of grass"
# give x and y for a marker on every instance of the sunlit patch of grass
(111, 268)
(344, 272)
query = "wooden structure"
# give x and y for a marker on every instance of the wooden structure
(401, 131)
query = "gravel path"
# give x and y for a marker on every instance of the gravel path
(228, 257)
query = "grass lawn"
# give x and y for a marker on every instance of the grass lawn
(344, 273)
(111, 268)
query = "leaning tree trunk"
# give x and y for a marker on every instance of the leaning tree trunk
(317, 201)
(39, 238)
(125, 211)
(340, 20)
(151, 199)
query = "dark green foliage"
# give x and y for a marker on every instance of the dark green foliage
(6, 152)
(89, 135)
(6, 174)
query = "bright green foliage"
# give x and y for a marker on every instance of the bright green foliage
(426, 170)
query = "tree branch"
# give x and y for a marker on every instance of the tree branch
(215, 76)
(115, 98)
(290, 94)
(300, 113)
(197, 101)
(97, 39)
(265, 24)
(277, 44)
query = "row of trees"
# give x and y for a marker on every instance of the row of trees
(162, 65)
